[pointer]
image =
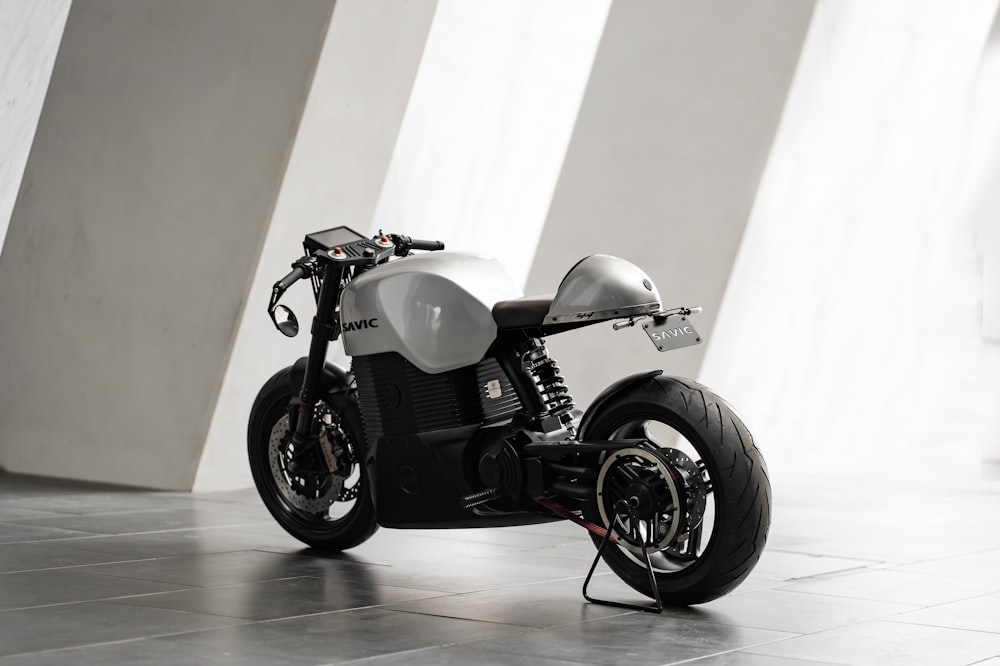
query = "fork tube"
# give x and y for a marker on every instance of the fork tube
(323, 331)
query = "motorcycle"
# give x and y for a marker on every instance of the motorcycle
(454, 415)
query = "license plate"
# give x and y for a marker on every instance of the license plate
(672, 333)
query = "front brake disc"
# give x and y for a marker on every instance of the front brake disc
(309, 491)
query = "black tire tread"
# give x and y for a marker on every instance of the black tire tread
(271, 401)
(742, 487)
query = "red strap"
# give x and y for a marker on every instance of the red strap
(569, 515)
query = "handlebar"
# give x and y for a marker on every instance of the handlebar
(349, 252)
(404, 244)
(298, 272)
(425, 244)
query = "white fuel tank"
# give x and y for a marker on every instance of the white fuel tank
(434, 309)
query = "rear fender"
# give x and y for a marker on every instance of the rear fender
(609, 394)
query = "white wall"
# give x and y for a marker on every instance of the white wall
(153, 174)
(853, 326)
(486, 130)
(850, 333)
(29, 39)
(673, 134)
(979, 173)
(472, 161)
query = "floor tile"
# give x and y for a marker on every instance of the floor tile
(69, 625)
(19, 533)
(11, 512)
(746, 659)
(394, 546)
(797, 612)
(583, 551)
(756, 582)
(335, 637)
(228, 568)
(480, 574)
(894, 587)
(190, 542)
(98, 501)
(637, 639)
(791, 565)
(151, 520)
(981, 566)
(977, 614)
(464, 655)
(273, 599)
(882, 643)
(539, 605)
(463, 570)
(60, 586)
(506, 536)
(39, 555)
(165, 651)
(851, 575)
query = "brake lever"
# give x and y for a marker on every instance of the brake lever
(288, 324)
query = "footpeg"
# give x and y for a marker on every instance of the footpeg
(482, 497)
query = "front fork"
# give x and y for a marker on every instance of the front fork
(325, 329)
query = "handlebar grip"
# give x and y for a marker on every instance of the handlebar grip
(425, 244)
(297, 273)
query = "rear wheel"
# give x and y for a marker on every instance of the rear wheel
(697, 486)
(318, 493)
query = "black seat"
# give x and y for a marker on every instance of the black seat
(526, 312)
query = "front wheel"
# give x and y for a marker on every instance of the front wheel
(318, 494)
(697, 485)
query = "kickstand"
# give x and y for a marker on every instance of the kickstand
(626, 509)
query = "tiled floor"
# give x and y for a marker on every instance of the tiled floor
(859, 570)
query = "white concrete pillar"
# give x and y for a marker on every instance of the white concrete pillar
(29, 38)
(981, 162)
(137, 229)
(979, 198)
(672, 137)
(335, 174)
(850, 334)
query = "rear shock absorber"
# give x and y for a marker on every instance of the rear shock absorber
(551, 386)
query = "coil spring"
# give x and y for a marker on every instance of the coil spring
(551, 385)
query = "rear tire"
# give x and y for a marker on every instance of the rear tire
(718, 474)
(329, 511)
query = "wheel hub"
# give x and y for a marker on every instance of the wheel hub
(307, 482)
(665, 489)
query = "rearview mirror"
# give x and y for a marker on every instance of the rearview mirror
(284, 319)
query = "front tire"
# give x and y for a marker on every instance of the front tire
(707, 527)
(332, 511)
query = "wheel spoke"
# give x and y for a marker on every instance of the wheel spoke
(694, 542)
